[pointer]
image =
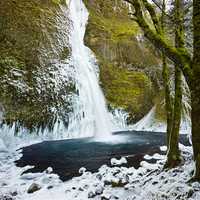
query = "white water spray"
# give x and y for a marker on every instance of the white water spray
(90, 116)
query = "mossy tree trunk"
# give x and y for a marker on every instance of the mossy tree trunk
(168, 99)
(195, 89)
(166, 80)
(173, 156)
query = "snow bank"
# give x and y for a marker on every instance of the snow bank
(148, 182)
(115, 161)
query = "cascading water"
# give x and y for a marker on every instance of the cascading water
(90, 116)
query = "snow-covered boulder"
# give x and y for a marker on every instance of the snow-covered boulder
(115, 162)
(49, 170)
(82, 170)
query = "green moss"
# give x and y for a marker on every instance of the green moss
(29, 35)
(65, 53)
(160, 114)
(112, 17)
(117, 28)
(9, 62)
(127, 89)
(58, 1)
(126, 64)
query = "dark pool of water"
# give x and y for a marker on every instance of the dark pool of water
(67, 156)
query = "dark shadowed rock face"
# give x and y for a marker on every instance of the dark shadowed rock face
(33, 44)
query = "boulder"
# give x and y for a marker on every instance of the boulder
(33, 188)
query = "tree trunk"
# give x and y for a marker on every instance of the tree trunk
(168, 99)
(195, 93)
(195, 89)
(173, 156)
(166, 80)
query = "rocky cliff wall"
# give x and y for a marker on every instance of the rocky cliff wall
(130, 71)
(34, 47)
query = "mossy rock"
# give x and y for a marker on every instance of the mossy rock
(130, 68)
(126, 89)
(32, 41)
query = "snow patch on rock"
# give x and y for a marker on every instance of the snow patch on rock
(121, 161)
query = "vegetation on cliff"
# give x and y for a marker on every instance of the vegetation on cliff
(31, 39)
(129, 69)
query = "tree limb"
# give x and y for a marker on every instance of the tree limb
(153, 15)
(177, 55)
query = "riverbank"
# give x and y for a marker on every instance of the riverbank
(112, 181)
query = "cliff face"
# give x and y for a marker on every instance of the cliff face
(33, 42)
(34, 47)
(129, 68)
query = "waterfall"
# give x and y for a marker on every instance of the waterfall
(90, 116)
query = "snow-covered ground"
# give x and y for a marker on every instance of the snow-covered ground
(149, 182)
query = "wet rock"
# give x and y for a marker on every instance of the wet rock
(80, 189)
(49, 187)
(105, 196)
(129, 186)
(162, 177)
(5, 197)
(177, 170)
(91, 194)
(166, 181)
(155, 183)
(190, 193)
(86, 186)
(116, 171)
(99, 190)
(99, 176)
(4, 184)
(114, 197)
(14, 193)
(33, 188)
